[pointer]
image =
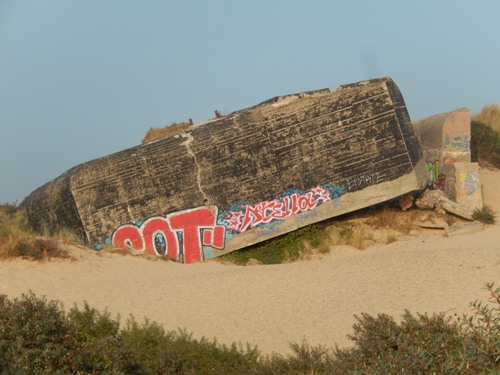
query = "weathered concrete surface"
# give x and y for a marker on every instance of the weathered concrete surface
(463, 185)
(445, 140)
(464, 228)
(237, 180)
(445, 136)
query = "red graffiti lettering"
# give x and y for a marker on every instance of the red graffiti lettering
(193, 224)
(128, 236)
(280, 210)
(197, 228)
(295, 206)
(252, 217)
(307, 202)
(159, 226)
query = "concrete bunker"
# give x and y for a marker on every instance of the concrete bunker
(240, 179)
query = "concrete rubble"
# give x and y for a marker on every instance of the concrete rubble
(437, 200)
(464, 228)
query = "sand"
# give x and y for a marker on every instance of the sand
(272, 306)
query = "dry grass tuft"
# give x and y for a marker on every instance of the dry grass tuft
(158, 133)
(386, 217)
(345, 233)
(485, 215)
(390, 239)
(17, 239)
(489, 115)
(307, 250)
(360, 238)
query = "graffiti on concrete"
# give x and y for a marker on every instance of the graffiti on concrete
(192, 235)
(437, 179)
(363, 180)
(456, 131)
(469, 183)
(181, 235)
(295, 141)
(468, 190)
(460, 142)
(242, 217)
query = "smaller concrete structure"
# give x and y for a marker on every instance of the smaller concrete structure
(445, 137)
(445, 141)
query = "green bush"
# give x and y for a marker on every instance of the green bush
(178, 352)
(485, 144)
(280, 249)
(419, 344)
(482, 332)
(37, 337)
(34, 337)
(304, 359)
(426, 344)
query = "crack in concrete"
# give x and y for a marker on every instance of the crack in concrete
(187, 143)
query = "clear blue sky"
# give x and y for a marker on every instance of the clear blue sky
(84, 79)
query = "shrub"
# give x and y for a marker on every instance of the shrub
(304, 359)
(17, 239)
(426, 344)
(37, 337)
(490, 115)
(34, 337)
(419, 344)
(154, 134)
(285, 248)
(12, 219)
(485, 144)
(482, 332)
(37, 248)
(485, 215)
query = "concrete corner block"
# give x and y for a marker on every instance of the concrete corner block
(464, 228)
(463, 185)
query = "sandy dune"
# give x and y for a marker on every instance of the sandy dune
(270, 306)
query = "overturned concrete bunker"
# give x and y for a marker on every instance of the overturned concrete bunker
(243, 178)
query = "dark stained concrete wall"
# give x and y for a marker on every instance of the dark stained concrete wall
(350, 140)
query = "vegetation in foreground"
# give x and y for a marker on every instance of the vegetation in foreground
(38, 337)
